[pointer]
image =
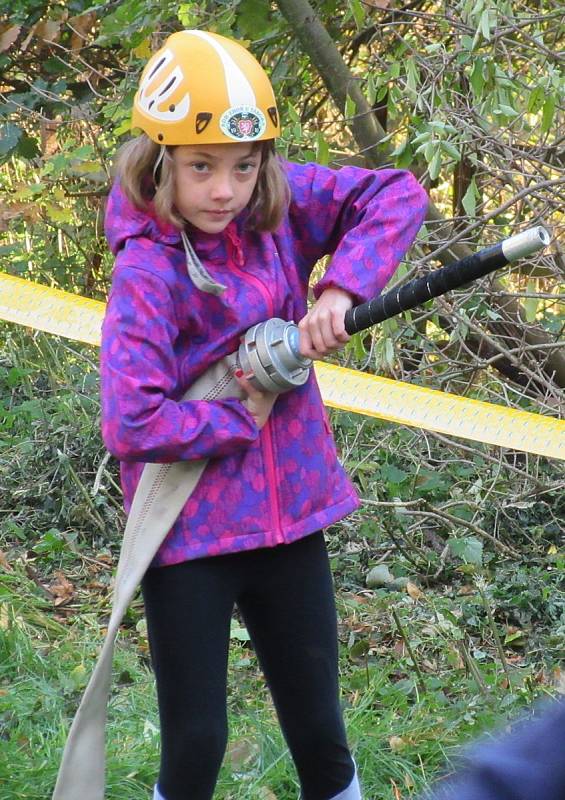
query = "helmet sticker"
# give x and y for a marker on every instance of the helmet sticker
(148, 101)
(243, 123)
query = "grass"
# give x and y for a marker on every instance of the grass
(400, 735)
(472, 638)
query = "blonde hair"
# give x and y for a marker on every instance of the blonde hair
(135, 168)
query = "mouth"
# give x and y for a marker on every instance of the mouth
(218, 213)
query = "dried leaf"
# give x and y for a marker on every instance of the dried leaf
(396, 743)
(378, 3)
(61, 589)
(48, 30)
(48, 133)
(265, 793)
(8, 37)
(241, 752)
(414, 592)
(29, 211)
(81, 26)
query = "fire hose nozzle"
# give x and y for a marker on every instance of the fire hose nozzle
(525, 243)
(270, 351)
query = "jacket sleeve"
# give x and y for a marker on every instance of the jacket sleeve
(139, 375)
(366, 219)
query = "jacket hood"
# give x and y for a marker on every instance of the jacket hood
(124, 221)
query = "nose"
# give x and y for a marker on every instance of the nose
(222, 188)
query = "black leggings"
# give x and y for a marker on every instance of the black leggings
(285, 595)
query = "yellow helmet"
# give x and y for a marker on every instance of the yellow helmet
(204, 88)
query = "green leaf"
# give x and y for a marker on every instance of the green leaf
(412, 77)
(484, 24)
(371, 89)
(405, 158)
(9, 138)
(508, 111)
(547, 113)
(58, 214)
(535, 100)
(358, 346)
(468, 549)
(435, 165)
(531, 304)
(322, 150)
(237, 632)
(350, 107)
(358, 13)
(28, 147)
(188, 15)
(253, 17)
(477, 78)
(392, 474)
(451, 150)
(469, 199)
(389, 353)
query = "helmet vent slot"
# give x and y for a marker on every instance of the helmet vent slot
(156, 68)
(202, 121)
(167, 86)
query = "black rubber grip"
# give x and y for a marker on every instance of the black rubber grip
(419, 290)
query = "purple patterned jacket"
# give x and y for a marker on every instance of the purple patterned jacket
(260, 488)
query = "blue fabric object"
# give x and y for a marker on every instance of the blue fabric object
(526, 764)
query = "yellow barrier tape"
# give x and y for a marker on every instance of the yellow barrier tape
(79, 318)
(432, 410)
(50, 310)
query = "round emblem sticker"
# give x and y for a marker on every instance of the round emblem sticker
(243, 123)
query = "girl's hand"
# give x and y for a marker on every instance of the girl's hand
(322, 330)
(259, 404)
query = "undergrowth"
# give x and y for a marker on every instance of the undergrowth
(449, 586)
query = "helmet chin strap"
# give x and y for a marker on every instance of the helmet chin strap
(196, 269)
(158, 162)
(198, 273)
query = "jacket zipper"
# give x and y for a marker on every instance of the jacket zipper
(266, 432)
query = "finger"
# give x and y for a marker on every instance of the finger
(246, 385)
(328, 327)
(338, 325)
(321, 331)
(304, 340)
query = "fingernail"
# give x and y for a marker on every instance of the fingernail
(238, 373)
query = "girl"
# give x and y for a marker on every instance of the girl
(212, 234)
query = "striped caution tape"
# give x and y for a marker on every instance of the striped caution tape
(79, 318)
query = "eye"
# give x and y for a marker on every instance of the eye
(246, 167)
(200, 166)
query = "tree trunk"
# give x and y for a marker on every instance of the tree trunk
(341, 84)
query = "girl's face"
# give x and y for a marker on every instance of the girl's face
(214, 182)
